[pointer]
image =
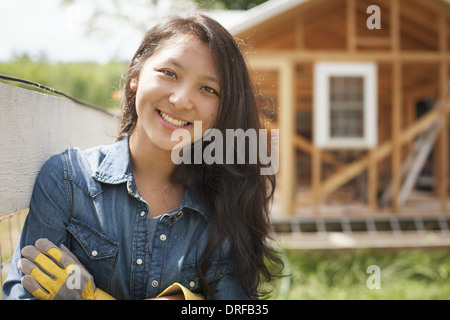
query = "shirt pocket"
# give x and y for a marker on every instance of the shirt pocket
(96, 251)
(189, 275)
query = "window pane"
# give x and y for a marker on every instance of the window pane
(346, 107)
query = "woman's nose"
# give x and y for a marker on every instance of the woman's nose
(182, 97)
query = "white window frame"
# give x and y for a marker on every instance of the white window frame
(322, 73)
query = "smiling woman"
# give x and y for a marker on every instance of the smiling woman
(137, 222)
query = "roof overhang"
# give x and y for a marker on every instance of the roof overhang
(259, 14)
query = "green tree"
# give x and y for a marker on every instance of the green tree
(88, 81)
(231, 4)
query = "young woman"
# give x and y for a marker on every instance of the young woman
(136, 221)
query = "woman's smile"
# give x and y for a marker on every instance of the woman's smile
(172, 121)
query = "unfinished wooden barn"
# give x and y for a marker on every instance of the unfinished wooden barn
(358, 90)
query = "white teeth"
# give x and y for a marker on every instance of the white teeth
(172, 121)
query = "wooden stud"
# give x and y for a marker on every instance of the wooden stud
(316, 179)
(443, 139)
(351, 25)
(372, 185)
(396, 161)
(287, 156)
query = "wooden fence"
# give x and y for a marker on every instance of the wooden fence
(33, 126)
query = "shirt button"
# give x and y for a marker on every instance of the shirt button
(139, 261)
(155, 283)
(192, 284)
(94, 253)
(142, 213)
(163, 237)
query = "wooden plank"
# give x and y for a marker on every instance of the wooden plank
(443, 138)
(311, 56)
(287, 156)
(373, 41)
(395, 26)
(34, 126)
(316, 180)
(396, 117)
(372, 185)
(422, 124)
(351, 25)
(443, 153)
(396, 105)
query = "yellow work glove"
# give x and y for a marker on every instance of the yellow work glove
(177, 288)
(53, 273)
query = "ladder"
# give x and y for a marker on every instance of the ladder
(413, 164)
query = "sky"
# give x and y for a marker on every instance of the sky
(48, 28)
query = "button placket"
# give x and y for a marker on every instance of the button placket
(140, 259)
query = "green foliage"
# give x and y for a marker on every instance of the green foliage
(336, 275)
(87, 81)
(230, 4)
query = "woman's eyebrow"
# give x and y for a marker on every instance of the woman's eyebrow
(176, 63)
(212, 79)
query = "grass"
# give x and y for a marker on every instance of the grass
(339, 275)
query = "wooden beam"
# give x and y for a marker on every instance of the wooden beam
(351, 25)
(396, 117)
(372, 185)
(396, 107)
(395, 26)
(311, 56)
(316, 180)
(443, 138)
(287, 156)
(373, 41)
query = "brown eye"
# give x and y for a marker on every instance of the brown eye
(210, 90)
(169, 73)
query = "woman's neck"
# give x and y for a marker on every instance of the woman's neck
(152, 170)
(149, 162)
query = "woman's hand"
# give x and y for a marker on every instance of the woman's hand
(53, 273)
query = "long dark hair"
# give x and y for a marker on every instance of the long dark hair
(237, 194)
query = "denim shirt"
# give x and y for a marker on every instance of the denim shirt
(88, 200)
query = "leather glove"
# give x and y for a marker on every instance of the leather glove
(53, 273)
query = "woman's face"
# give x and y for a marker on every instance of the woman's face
(177, 85)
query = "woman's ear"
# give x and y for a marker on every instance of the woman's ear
(134, 84)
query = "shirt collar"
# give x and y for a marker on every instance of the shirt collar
(194, 200)
(116, 168)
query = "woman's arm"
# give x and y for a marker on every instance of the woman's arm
(48, 216)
